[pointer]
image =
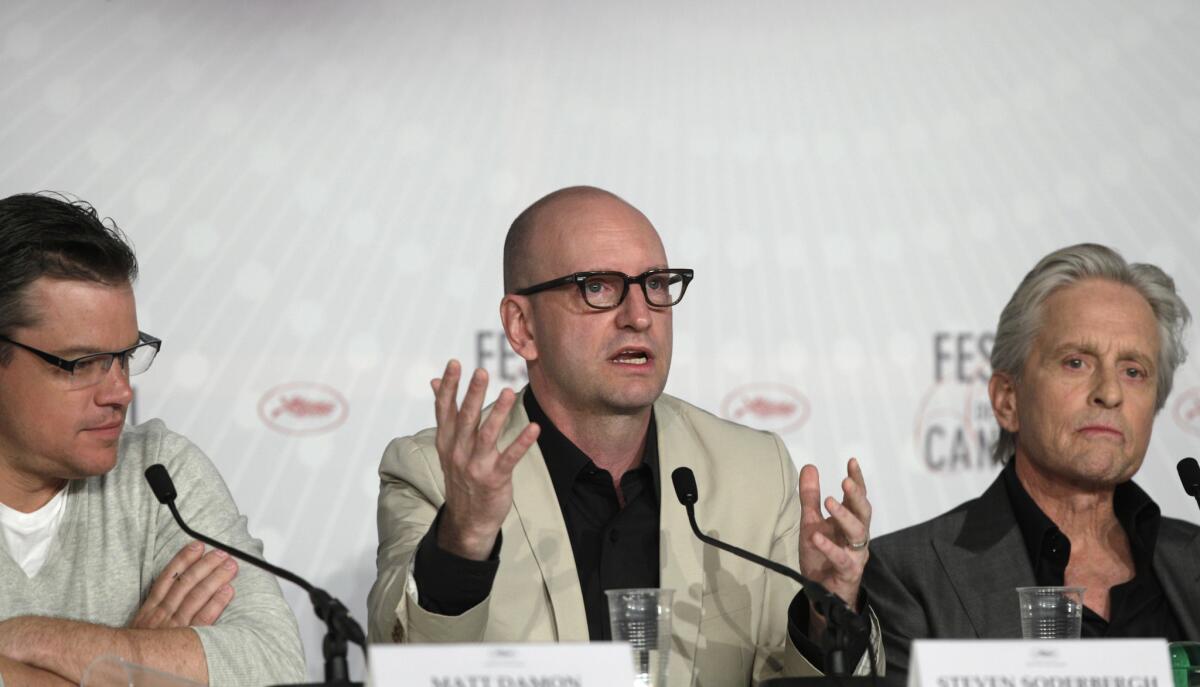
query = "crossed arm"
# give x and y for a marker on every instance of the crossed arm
(193, 589)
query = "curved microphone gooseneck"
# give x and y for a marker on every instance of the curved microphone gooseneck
(340, 626)
(840, 617)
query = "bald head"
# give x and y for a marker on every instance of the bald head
(522, 245)
(570, 347)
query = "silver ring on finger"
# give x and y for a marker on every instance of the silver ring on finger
(859, 546)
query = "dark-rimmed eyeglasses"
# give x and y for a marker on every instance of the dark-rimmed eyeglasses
(91, 369)
(606, 290)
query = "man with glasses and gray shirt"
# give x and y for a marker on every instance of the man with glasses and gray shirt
(90, 563)
(513, 527)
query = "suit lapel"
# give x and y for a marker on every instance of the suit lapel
(986, 563)
(989, 559)
(1175, 561)
(535, 506)
(680, 552)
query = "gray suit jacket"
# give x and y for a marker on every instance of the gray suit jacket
(730, 616)
(954, 576)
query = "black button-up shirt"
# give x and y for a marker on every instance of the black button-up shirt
(614, 547)
(1138, 607)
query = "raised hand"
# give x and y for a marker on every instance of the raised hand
(193, 589)
(478, 474)
(833, 548)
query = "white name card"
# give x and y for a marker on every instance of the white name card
(584, 664)
(1040, 663)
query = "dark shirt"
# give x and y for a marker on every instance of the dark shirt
(1138, 607)
(614, 547)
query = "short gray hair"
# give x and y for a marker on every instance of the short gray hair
(1022, 317)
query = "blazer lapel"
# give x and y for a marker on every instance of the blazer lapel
(535, 506)
(1176, 554)
(986, 563)
(680, 552)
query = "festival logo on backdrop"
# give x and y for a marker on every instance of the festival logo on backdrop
(954, 429)
(774, 407)
(1187, 410)
(493, 354)
(303, 408)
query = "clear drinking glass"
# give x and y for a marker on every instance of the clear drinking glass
(642, 617)
(1051, 612)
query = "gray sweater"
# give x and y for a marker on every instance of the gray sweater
(115, 538)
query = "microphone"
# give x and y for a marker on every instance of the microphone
(162, 486)
(340, 626)
(685, 487)
(828, 604)
(1189, 474)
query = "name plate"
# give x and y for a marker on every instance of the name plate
(583, 664)
(1040, 663)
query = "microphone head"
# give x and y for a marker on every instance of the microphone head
(160, 483)
(1189, 474)
(685, 486)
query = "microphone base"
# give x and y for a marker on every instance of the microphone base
(323, 683)
(820, 681)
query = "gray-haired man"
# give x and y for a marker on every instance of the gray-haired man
(1084, 357)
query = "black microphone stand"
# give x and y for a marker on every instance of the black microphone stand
(340, 626)
(840, 619)
(841, 622)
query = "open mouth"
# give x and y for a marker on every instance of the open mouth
(632, 356)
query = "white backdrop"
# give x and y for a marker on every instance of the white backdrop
(318, 192)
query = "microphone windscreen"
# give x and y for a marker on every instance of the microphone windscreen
(160, 483)
(685, 486)
(1189, 474)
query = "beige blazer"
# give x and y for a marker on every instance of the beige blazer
(729, 622)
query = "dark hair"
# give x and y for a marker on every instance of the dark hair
(50, 235)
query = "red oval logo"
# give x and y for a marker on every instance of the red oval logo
(774, 407)
(1187, 410)
(303, 408)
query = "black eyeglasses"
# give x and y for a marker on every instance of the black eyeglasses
(606, 290)
(91, 369)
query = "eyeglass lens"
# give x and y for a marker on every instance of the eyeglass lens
(91, 370)
(606, 290)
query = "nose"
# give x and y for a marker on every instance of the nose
(1108, 392)
(115, 389)
(634, 312)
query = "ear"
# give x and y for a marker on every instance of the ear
(1002, 391)
(516, 317)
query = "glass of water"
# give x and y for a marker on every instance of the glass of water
(642, 617)
(1051, 612)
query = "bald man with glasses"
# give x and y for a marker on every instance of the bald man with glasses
(90, 563)
(508, 524)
